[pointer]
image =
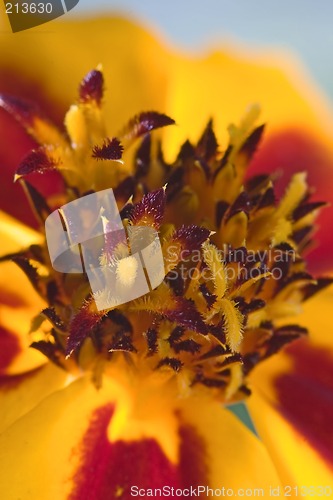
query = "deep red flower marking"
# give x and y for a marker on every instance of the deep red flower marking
(305, 395)
(9, 348)
(17, 83)
(9, 343)
(24, 111)
(292, 151)
(193, 468)
(15, 144)
(110, 469)
(11, 299)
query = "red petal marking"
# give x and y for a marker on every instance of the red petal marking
(9, 343)
(18, 83)
(110, 469)
(15, 145)
(292, 151)
(305, 396)
(193, 463)
(23, 110)
(9, 348)
(320, 258)
(91, 87)
(11, 299)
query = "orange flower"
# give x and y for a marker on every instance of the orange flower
(133, 397)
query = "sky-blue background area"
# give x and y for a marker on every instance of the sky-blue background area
(303, 26)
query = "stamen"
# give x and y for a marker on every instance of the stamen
(111, 150)
(92, 87)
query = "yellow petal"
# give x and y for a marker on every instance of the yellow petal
(18, 301)
(297, 462)
(221, 84)
(235, 457)
(15, 320)
(15, 236)
(123, 48)
(21, 393)
(230, 81)
(317, 317)
(292, 400)
(66, 437)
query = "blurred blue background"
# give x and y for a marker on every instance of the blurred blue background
(303, 26)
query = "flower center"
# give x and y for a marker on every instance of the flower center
(232, 254)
